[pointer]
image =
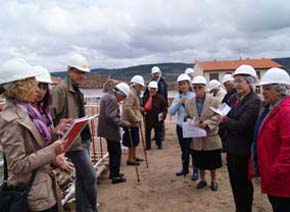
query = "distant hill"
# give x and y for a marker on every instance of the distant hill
(170, 71)
(285, 62)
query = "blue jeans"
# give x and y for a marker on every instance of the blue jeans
(86, 183)
(185, 149)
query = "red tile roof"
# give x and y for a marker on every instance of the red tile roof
(230, 65)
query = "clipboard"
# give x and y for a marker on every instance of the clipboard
(222, 110)
(76, 128)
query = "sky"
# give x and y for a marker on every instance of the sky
(123, 33)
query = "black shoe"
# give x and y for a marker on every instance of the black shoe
(116, 180)
(120, 175)
(201, 185)
(159, 147)
(132, 163)
(139, 159)
(181, 173)
(148, 148)
(213, 186)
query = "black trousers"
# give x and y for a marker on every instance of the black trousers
(114, 149)
(279, 204)
(158, 135)
(241, 186)
(184, 144)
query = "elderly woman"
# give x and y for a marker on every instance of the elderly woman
(155, 107)
(207, 150)
(238, 128)
(29, 150)
(109, 127)
(273, 139)
(178, 106)
(132, 113)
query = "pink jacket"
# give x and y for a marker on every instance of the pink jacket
(274, 151)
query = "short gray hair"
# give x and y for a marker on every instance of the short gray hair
(251, 81)
(281, 88)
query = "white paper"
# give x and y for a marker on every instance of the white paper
(190, 131)
(160, 116)
(222, 110)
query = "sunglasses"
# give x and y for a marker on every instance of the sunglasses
(198, 87)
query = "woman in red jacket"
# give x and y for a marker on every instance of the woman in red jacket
(273, 139)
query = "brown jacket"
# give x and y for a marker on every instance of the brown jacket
(131, 109)
(109, 118)
(212, 141)
(24, 150)
(65, 105)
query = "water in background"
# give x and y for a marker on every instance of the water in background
(97, 93)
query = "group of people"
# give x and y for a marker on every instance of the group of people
(31, 123)
(254, 134)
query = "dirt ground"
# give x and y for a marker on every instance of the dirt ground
(160, 190)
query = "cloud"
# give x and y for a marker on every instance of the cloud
(113, 33)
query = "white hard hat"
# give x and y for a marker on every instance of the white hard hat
(138, 79)
(199, 80)
(245, 70)
(78, 62)
(275, 76)
(213, 84)
(183, 77)
(15, 69)
(189, 71)
(153, 84)
(43, 75)
(124, 88)
(228, 78)
(155, 69)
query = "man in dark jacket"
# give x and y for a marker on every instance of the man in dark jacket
(161, 90)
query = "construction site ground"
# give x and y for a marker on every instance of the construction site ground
(160, 190)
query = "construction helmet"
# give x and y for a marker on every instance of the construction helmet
(43, 75)
(14, 70)
(153, 84)
(124, 88)
(213, 84)
(275, 76)
(78, 62)
(183, 77)
(155, 69)
(199, 80)
(245, 70)
(138, 79)
(189, 71)
(228, 78)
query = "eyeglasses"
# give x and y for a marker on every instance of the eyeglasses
(198, 87)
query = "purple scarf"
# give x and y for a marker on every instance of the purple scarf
(37, 119)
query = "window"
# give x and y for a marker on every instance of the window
(213, 76)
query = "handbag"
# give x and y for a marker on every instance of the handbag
(14, 198)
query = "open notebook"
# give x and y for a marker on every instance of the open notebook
(75, 129)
